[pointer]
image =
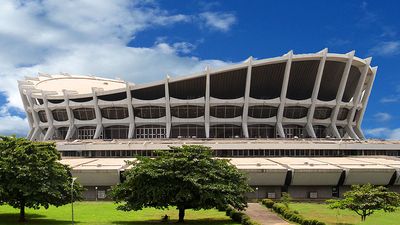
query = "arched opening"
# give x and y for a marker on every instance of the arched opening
(115, 113)
(86, 132)
(188, 89)
(225, 131)
(42, 116)
(116, 132)
(84, 114)
(322, 113)
(320, 131)
(261, 131)
(342, 115)
(150, 112)
(188, 131)
(60, 133)
(261, 111)
(60, 115)
(292, 131)
(82, 99)
(150, 131)
(295, 112)
(187, 111)
(226, 111)
(113, 97)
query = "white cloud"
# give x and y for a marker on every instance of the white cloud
(382, 117)
(46, 36)
(386, 48)
(217, 20)
(384, 133)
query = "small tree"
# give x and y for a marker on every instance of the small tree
(31, 176)
(285, 199)
(186, 177)
(365, 199)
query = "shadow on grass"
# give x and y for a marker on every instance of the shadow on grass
(12, 218)
(188, 221)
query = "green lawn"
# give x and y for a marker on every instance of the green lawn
(343, 217)
(104, 213)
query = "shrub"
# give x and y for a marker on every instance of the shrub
(236, 216)
(268, 202)
(296, 212)
(228, 211)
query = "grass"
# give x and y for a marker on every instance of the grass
(322, 213)
(105, 213)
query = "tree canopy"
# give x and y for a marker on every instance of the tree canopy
(185, 177)
(31, 176)
(366, 199)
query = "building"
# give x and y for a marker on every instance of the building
(295, 105)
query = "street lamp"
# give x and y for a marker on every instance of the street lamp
(257, 192)
(72, 198)
(96, 193)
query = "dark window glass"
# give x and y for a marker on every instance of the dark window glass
(60, 114)
(115, 113)
(262, 111)
(342, 115)
(150, 112)
(42, 116)
(322, 113)
(84, 114)
(225, 131)
(187, 111)
(295, 112)
(226, 111)
(188, 131)
(116, 132)
(261, 131)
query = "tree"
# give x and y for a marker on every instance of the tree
(185, 177)
(365, 199)
(31, 176)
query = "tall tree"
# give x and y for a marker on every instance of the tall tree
(366, 199)
(32, 177)
(185, 177)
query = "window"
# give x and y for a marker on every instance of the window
(261, 131)
(262, 111)
(115, 113)
(187, 111)
(116, 132)
(151, 131)
(150, 112)
(225, 131)
(322, 113)
(295, 112)
(342, 115)
(60, 114)
(86, 132)
(84, 114)
(42, 116)
(188, 131)
(226, 111)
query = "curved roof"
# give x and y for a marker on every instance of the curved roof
(304, 68)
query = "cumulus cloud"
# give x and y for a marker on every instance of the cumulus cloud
(217, 20)
(386, 48)
(46, 36)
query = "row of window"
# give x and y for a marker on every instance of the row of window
(191, 131)
(243, 153)
(187, 111)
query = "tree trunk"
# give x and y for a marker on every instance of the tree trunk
(22, 213)
(181, 214)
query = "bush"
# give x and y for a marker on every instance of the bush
(236, 216)
(290, 215)
(228, 211)
(268, 203)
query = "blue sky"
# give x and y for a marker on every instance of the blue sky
(142, 41)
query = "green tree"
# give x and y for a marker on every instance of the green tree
(185, 177)
(32, 177)
(365, 199)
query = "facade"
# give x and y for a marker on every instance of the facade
(292, 123)
(293, 96)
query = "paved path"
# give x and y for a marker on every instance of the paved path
(263, 216)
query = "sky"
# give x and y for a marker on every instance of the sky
(146, 40)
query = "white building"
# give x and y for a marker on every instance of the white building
(297, 105)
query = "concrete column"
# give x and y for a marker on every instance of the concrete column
(131, 112)
(279, 117)
(50, 131)
(167, 109)
(99, 125)
(356, 98)
(314, 96)
(365, 103)
(25, 103)
(71, 128)
(339, 94)
(246, 98)
(207, 106)
(35, 117)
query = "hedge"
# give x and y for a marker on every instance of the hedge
(289, 214)
(239, 217)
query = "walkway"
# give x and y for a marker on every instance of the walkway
(263, 216)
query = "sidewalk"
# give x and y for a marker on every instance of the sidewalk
(263, 216)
